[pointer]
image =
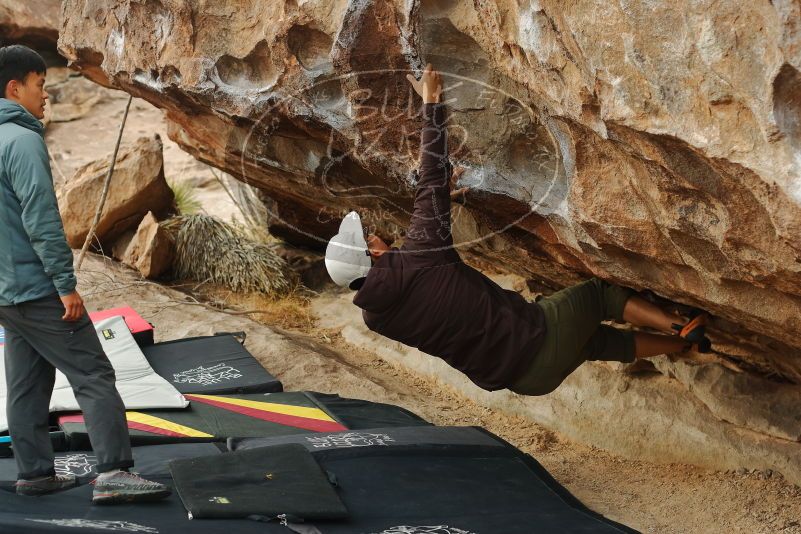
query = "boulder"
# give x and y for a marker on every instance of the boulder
(33, 23)
(654, 146)
(151, 250)
(749, 401)
(71, 96)
(120, 245)
(137, 187)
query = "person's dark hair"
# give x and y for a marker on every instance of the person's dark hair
(16, 62)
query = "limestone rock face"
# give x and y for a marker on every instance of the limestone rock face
(34, 23)
(137, 187)
(70, 98)
(151, 250)
(741, 398)
(653, 144)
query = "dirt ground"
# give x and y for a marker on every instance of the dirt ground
(649, 497)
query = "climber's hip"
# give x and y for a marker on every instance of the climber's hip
(574, 334)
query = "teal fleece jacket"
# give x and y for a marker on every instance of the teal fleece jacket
(35, 259)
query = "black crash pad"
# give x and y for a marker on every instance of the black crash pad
(418, 480)
(284, 483)
(211, 364)
(441, 480)
(72, 511)
(217, 417)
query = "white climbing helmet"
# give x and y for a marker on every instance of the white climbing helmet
(347, 258)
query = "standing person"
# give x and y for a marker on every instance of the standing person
(46, 324)
(424, 296)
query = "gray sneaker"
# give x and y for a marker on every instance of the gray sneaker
(43, 486)
(127, 487)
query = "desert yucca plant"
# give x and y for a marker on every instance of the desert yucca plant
(210, 250)
(255, 215)
(185, 198)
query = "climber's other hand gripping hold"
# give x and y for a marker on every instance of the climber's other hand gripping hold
(429, 86)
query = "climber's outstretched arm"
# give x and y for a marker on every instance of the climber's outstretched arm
(430, 227)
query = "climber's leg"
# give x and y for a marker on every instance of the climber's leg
(613, 344)
(640, 312)
(610, 344)
(572, 317)
(646, 345)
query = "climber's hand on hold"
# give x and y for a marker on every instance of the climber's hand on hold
(429, 86)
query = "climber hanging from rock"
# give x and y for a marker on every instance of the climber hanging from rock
(424, 296)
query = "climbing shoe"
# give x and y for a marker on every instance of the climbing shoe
(694, 332)
(45, 485)
(122, 486)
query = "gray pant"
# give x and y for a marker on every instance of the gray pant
(38, 342)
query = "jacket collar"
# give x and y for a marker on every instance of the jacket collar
(11, 111)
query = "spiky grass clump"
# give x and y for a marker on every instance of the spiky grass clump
(185, 198)
(210, 250)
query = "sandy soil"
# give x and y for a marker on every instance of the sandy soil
(649, 497)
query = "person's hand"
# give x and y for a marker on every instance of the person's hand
(429, 86)
(73, 307)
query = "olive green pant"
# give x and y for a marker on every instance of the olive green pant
(574, 334)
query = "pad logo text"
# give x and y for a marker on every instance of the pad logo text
(207, 376)
(111, 526)
(349, 439)
(78, 465)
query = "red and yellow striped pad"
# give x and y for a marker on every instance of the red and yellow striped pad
(148, 423)
(303, 417)
(157, 425)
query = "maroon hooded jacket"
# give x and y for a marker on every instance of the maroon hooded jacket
(424, 296)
